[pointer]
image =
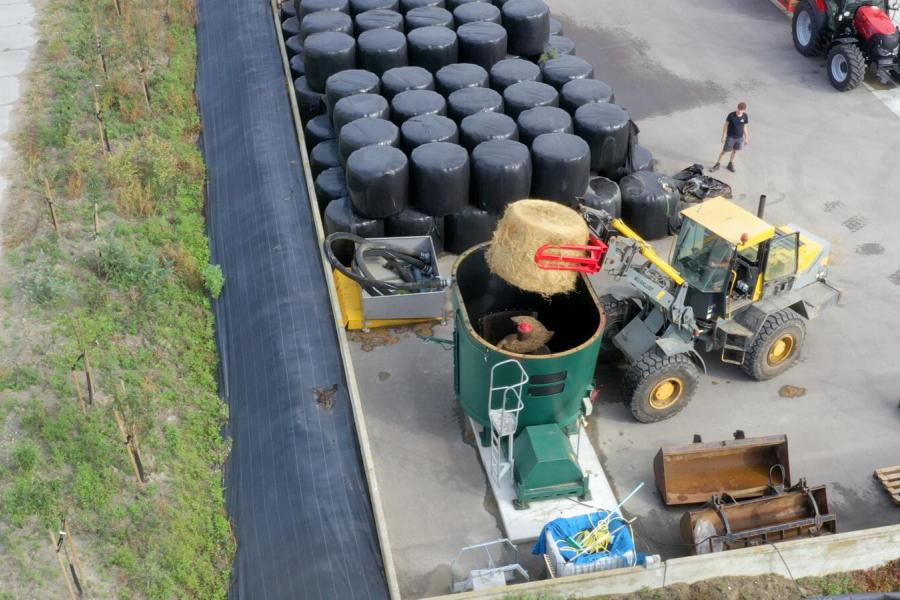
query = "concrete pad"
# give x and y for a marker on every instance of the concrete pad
(20, 13)
(13, 62)
(10, 90)
(17, 37)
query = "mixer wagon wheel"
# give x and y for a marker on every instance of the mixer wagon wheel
(658, 386)
(776, 347)
(618, 314)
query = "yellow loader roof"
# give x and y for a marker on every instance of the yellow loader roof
(730, 222)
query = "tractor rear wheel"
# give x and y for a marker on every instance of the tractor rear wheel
(808, 29)
(618, 314)
(657, 386)
(846, 67)
(776, 347)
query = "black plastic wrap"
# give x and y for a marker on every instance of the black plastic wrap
(379, 18)
(432, 48)
(402, 79)
(642, 159)
(528, 94)
(485, 126)
(439, 175)
(325, 54)
(294, 484)
(556, 28)
(330, 185)
(528, 25)
(358, 106)
(318, 129)
(474, 12)
(579, 92)
(425, 129)
(298, 67)
(290, 27)
(361, 6)
(697, 187)
(306, 7)
(293, 45)
(367, 132)
(309, 102)
(324, 155)
(413, 103)
(381, 50)
(513, 70)
(412, 222)
(408, 5)
(481, 43)
(501, 174)
(326, 20)
(350, 83)
(604, 194)
(287, 10)
(650, 204)
(339, 217)
(543, 119)
(428, 16)
(378, 181)
(559, 71)
(607, 129)
(468, 101)
(466, 228)
(560, 45)
(561, 167)
(452, 5)
(458, 76)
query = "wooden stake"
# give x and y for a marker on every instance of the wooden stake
(74, 374)
(63, 567)
(96, 220)
(143, 73)
(118, 8)
(130, 441)
(99, 114)
(88, 374)
(50, 204)
(70, 542)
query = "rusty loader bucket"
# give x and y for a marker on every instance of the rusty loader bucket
(798, 512)
(740, 468)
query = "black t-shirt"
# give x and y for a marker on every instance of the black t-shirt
(736, 124)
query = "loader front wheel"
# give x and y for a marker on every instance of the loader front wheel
(776, 347)
(657, 386)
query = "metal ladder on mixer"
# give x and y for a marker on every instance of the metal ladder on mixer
(504, 419)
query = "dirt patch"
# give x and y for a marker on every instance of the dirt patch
(388, 336)
(325, 396)
(791, 391)
(383, 376)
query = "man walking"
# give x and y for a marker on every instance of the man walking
(735, 133)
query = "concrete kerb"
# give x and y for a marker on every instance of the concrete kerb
(811, 557)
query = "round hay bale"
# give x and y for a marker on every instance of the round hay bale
(561, 167)
(604, 194)
(402, 79)
(307, 7)
(559, 71)
(310, 102)
(432, 48)
(501, 174)
(349, 83)
(324, 155)
(413, 103)
(440, 175)
(425, 129)
(428, 16)
(378, 181)
(481, 43)
(288, 10)
(466, 228)
(358, 106)
(381, 50)
(521, 96)
(318, 129)
(298, 67)
(484, 126)
(408, 5)
(578, 92)
(607, 129)
(412, 222)
(556, 27)
(367, 132)
(560, 45)
(379, 18)
(290, 27)
(330, 185)
(361, 6)
(528, 24)
(458, 76)
(526, 226)
(468, 101)
(543, 119)
(339, 216)
(452, 5)
(642, 159)
(513, 70)
(326, 20)
(476, 11)
(294, 46)
(325, 54)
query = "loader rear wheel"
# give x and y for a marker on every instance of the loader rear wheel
(657, 386)
(807, 29)
(618, 314)
(776, 347)
(846, 67)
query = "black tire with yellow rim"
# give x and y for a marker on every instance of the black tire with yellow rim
(776, 347)
(658, 387)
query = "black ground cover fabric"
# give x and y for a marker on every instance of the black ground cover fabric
(295, 487)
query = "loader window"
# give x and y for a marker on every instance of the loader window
(782, 260)
(702, 258)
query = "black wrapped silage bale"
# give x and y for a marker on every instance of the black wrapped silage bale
(458, 76)
(298, 67)
(324, 155)
(294, 46)
(330, 185)
(413, 103)
(556, 27)
(482, 43)
(607, 129)
(318, 130)
(528, 24)
(452, 5)
(513, 70)
(468, 101)
(650, 204)
(428, 16)
(439, 177)
(412, 222)
(543, 119)
(484, 126)
(359, 106)
(402, 79)
(528, 94)
(340, 217)
(466, 228)
(290, 27)
(559, 71)
(501, 174)
(306, 7)
(604, 194)
(408, 5)
(578, 92)
(381, 49)
(474, 12)
(561, 167)
(367, 132)
(325, 54)
(559, 45)
(288, 9)
(310, 103)
(378, 181)
(350, 83)
(327, 20)
(380, 18)
(361, 6)
(432, 48)
(425, 129)
(642, 159)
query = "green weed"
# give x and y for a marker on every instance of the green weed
(213, 279)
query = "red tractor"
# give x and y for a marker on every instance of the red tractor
(854, 33)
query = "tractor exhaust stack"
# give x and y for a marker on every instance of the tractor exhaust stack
(761, 209)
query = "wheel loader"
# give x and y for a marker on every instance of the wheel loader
(734, 284)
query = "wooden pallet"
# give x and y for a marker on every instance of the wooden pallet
(890, 479)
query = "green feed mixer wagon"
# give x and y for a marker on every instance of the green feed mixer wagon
(527, 404)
